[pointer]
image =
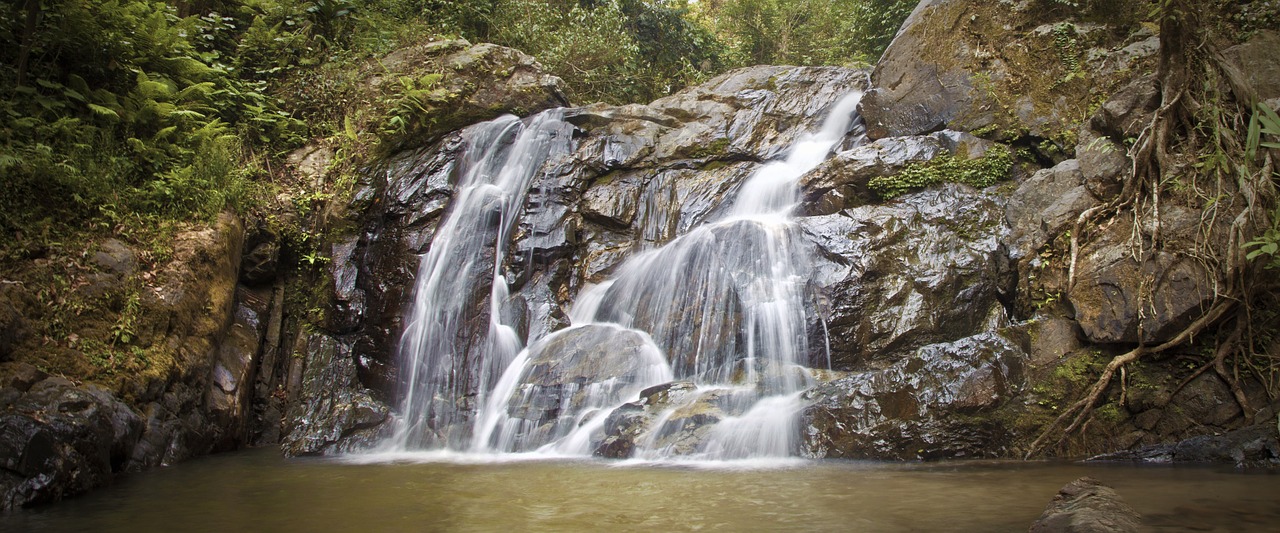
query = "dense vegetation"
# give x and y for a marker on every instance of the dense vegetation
(125, 115)
(136, 119)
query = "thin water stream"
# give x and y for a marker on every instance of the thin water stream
(259, 491)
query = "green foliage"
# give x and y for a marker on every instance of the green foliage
(124, 107)
(806, 32)
(992, 167)
(1068, 48)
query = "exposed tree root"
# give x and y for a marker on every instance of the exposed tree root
(1183, 46)
(1084, 407)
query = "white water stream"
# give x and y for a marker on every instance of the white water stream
(721, 308)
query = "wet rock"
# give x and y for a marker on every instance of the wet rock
(571, 371)
(334, 413)
(925, 406)
(1086, 505)
(672, 419)
(923, 269)
(754, 111)
(348, 300)
(1117, 299)
(841, 181)
(1256, 446)
(231, 385)
(58, 440)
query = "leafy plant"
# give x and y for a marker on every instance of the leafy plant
(992, 167)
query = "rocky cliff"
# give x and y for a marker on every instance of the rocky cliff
(950, 320)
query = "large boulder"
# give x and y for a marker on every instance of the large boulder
(58, 439)
(1009, 68)
(1119, 299)
(922, 269)
(926, 406)
(458, 83)
(575, 373)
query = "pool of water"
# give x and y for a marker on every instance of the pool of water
(258, 490)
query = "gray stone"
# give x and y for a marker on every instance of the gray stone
(923, 269)
(334, 412)
(1255, 60)
(116, 257)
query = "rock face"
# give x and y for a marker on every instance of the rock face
(331, 412)
(955, 65)
(635, 177)
(903, 297)
(200, 338)
(926, 406)
(924, 269)
(1086, 505)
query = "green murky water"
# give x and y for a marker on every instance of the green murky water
(259, 491)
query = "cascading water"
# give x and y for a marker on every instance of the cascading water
(444, 370)
(721, 308)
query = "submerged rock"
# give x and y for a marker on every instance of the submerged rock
(1256, 446)
(1087, 506)
(575, 372)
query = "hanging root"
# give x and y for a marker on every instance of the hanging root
(1185, 45)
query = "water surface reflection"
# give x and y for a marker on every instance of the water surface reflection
(259, 491)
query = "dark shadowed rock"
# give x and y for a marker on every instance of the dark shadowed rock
(1087, 506)
(921, 407)
(57, 439)
(1256, 446)
(334, 412)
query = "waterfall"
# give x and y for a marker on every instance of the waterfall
(721, 308)
(459, 281)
